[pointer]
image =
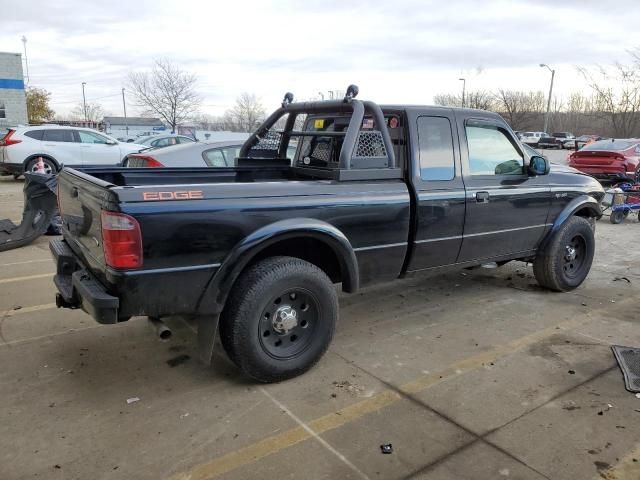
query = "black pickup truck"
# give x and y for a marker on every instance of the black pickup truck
(372, 194)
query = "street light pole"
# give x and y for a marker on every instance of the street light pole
(26, 61)
(84, 102)
(553, 74)
(124, 106)
(464, 84)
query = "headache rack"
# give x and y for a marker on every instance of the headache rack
(363, 153)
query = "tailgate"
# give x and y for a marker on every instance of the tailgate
(81, 198)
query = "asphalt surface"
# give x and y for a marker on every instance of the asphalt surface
(471, 375)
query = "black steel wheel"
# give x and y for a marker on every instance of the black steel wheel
(565, 260)
(288, 322)
(574, 256)
(279, 318)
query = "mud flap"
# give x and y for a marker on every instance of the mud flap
(40, 207)
(207, 329)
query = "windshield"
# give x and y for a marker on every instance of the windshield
(609, 145)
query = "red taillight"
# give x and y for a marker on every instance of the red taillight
(7, 140)
(121, 240)
(148, 161)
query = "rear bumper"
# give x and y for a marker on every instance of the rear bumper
(77, 288)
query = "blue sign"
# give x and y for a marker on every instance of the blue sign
(10, 83)
(159, 128)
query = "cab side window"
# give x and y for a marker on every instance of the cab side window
(436, 149)
(491, 152)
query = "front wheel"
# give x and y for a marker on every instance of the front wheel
(279, 319)
(566, 260)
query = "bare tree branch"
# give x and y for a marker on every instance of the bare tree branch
(246, 114)
(166, 91)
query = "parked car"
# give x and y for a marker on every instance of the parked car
(581, 141)
(562, 137)
(548, 141)
(59, 146)
(532, 138)
(158, 141)
(200, 154)
(609, 160)
(258, 247)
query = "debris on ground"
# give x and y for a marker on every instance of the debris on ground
(352, 388)
(570, 406)
(132, 400)
(386, 448)
(618, 279)
(572, 372)
(179, 360)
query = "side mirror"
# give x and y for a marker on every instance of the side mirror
(111, 142)
(538, 165)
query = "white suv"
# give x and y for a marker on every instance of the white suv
(59, 146)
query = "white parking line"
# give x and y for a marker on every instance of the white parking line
(26, 261)
(28, 277)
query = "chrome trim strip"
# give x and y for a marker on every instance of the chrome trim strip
(506, 230)
(375, 247)
(440, 239)
(455, 237)
(189, 268)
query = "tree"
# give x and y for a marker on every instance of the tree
(166, 91)
(617, 95)
(95, 112)
(246, 114)
(480, 99)
(522, 110)
(38, 109)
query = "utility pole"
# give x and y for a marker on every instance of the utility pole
(124, 106)
(464, 84)
(546, 116)
(84, 102)
(26, 61)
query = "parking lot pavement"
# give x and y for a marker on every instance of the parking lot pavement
(471, 375)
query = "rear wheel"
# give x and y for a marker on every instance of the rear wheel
(49, 165)
(566, 260)
(280, 318)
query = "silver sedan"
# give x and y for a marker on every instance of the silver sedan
(199, 154)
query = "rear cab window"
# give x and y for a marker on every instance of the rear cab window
(436, 156)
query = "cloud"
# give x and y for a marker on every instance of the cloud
(406, 50)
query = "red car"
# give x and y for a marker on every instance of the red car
(609, 160)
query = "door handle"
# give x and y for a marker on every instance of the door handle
(482, 197)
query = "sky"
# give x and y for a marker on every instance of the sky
(397, 52)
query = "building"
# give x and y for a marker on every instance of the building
(13, 101)
(132, 127)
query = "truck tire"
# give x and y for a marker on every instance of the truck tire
(566, 260)
(280, 318)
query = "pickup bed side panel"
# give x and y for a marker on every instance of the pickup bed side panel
(186, 241)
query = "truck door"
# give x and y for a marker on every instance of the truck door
(506, 207)
(437, 179)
